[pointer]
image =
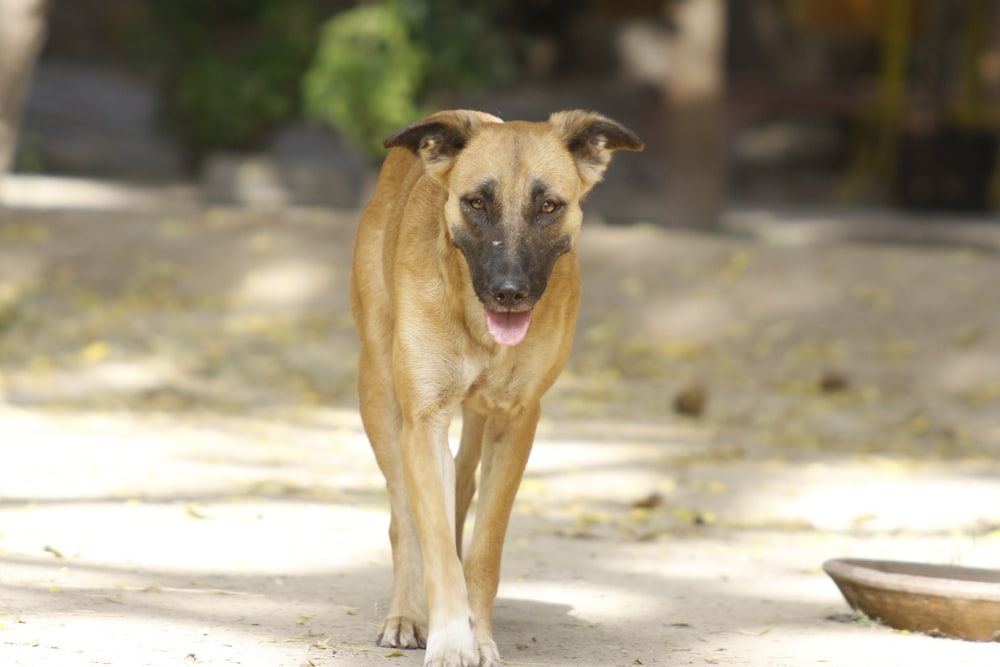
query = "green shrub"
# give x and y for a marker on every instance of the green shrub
(375, 63)
(367, 75)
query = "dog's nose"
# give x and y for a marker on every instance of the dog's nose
(509, 292)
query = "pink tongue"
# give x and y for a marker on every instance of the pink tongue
(508, 328)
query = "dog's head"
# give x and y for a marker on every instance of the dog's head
(514, 193)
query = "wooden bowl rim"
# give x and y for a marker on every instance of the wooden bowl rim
(946, 581)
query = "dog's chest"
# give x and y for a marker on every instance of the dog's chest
(494, 383)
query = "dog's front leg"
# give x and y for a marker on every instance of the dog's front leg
(507, 441)
(430, 484)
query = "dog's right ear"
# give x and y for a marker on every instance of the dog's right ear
(438, 138)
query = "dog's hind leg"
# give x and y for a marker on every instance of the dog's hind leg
(405, 623)
(466, 462)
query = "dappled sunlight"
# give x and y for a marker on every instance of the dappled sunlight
(214, 309)
(287, 284)
(273, 529)
(35, 191)
(94, 457)
(185, 450)
(643, 491)
(250, 535)
(588, 600)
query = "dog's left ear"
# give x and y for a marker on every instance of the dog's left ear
(438, 138)
(591, 138)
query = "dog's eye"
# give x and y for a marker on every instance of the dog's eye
(548, 206)
(476, 203)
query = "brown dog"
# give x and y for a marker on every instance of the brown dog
(465, 290)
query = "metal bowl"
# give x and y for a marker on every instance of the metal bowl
(939, 600)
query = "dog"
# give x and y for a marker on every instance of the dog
(465, 289)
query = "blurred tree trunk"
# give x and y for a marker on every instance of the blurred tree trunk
(22, 32)
(696, 126)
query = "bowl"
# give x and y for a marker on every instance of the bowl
(938, 600)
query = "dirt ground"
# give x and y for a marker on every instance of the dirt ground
(184, 480)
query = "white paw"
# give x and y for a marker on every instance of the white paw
(452, 645)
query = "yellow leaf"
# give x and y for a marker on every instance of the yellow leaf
(684, 349)
(631, 287)
(967, 335)
(873, 296)
(194, 511)
(739, 262)
(55, 589)
(95, 352)
(716, 488)
(754, 633)
(41, 364)
(899, 349)
(393, 654)
(695, 517)
(919, 425)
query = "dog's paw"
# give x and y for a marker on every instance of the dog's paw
(489, 655)
(402, 632)
(452, 646)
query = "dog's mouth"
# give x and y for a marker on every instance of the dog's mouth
(508, 327)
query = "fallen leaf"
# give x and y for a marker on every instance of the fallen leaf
(52, 550)
(872, 296)
(691, 401)
(832, 382)
(738, 263)
(716, 488)
(967, 335)
(899, 349)
(194, 511)
(754, 633)
(651, 501)
(95, 352)
(631, 287)
(393, 654)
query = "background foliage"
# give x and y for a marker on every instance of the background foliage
(233, 70)
(374, 63)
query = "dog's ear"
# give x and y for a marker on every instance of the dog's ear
(438, 138)
(591, 138)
